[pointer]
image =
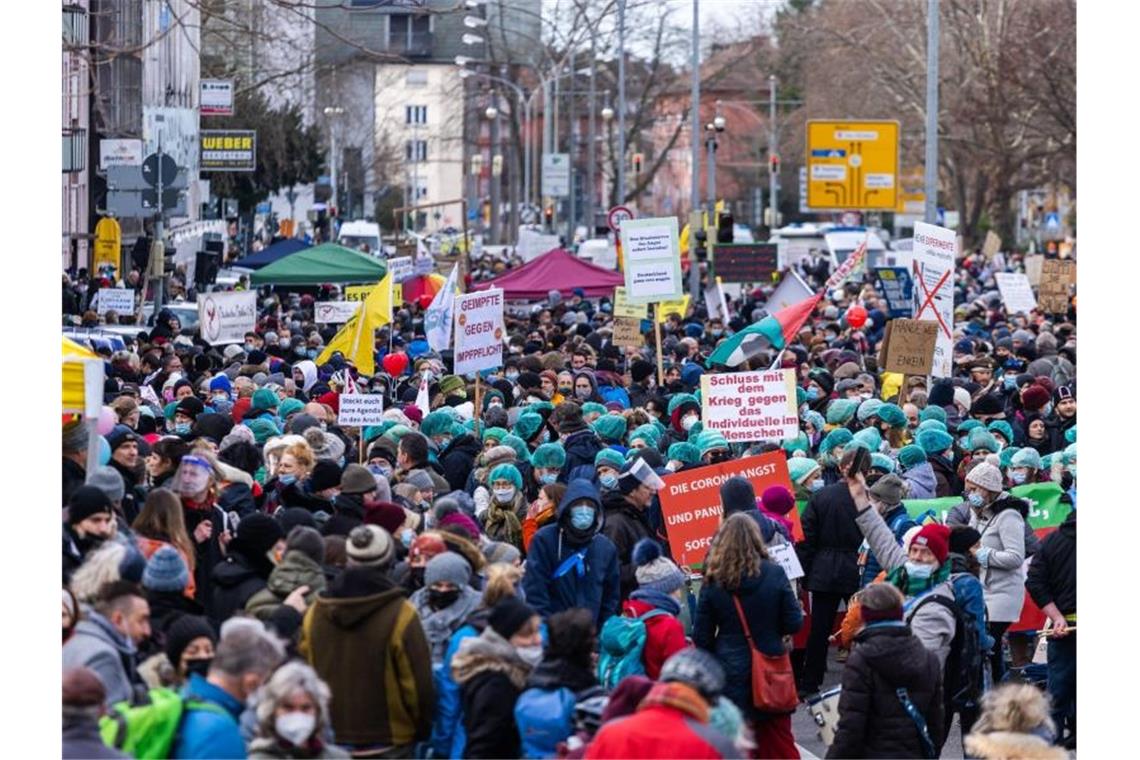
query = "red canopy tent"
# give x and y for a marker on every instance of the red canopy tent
(557, 269)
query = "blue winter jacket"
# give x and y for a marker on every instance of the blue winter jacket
(899, 521)
(207, 734)
(592, 582)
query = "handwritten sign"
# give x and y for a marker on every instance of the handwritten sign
(623, 308)
(335, 312)
(1016, 293)
(909, 346)
(627, 332)
(119, 300)
(1057, 278)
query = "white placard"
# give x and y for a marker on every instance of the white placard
(1016, 292)
(357, 409)
(226, 317)
(401, 268)
(335, 312)
(785, 556)
(478, 331)
(119, 300)
(716, 302)
(120, 153)
(216, 97)
(750, 406)
(652, 254)
(935, 249)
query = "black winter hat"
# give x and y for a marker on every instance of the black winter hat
(326, 474)
(86, 501)
(308, 541)
(640, 369)
(987, 405)
(962, 538)
(291, 517)
(737, 495)
(509, 615)
(213, 426)
(941, 393)
(191, 406)
(256, 535)
(182, 631)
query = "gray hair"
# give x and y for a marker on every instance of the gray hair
(291, 677)
(100, 567)
(247, 649)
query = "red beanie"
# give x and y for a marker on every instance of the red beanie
(778, 500)
(934, 537)
(1034, 397)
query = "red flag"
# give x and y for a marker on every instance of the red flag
(792, 318)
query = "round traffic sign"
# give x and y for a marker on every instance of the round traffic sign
(616, 216)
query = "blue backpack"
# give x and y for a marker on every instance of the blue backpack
(622, 643)
(544, 718)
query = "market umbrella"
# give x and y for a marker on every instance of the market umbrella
(773, 331)
(423, 287)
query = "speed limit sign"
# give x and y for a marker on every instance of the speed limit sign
(616, 216)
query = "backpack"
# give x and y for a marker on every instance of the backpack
(963, 675)
(149, 730)
(622, 643)
(544, 718)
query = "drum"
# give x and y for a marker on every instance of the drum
(824, 709)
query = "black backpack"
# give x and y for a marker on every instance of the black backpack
(964, 672)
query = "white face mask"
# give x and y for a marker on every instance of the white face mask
(688, 422)
(295, 727)
(531, 655)
(504, 495)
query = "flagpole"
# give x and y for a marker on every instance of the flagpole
(657, 334)
(478, 403)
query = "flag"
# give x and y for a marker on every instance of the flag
(849, 265)
(356, 340)
(350, 387)
(437, 318)
(423, 400)
(775, 331)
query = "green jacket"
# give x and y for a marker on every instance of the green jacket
(296, 569)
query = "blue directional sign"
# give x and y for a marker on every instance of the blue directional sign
(829, 153)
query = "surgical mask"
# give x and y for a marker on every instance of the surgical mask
(918, 571)
(688, 422)
(442, 442)
(582, 517)
(295, 727)
(182, 428)
(249, 347)
(813, 393)
(608, 481)
(504, 495)
(312, 353)
(1010, 382)
(548, 478)
(512, 376)
(1016, 476)
(286, 480)
(816, 484)
(864, 396)
(407, 536)
(583, 392)
(975, 499)
(531, 655)
(220, 398)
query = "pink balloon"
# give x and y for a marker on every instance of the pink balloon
(107, 420)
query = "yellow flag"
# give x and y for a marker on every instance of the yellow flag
(356, 340)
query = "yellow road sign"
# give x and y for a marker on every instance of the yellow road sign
(853, 165)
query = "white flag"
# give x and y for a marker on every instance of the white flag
(423, 401)
(437, 318)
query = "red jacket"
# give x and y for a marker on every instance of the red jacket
(657, 731)
(664, 636)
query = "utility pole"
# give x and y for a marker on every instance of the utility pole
(493, 112)
(621, 99)
(591, 147)
(930, 215)
(159, 247)
(695, 160)
(773, 150)
(572, 137)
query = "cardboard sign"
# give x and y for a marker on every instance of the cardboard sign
(785, 556)
(401, 268)
(226, 317)
(119, 300)
(627, 332)
(478, 331)
(335, 312)
(1057, 278)
(908, 346)
(359, 409)
(691, 506)
(1033, 266)
(746, 262)
(1016, 292)
(898, 290)
(935, 250)
(652, 257)
(992, 245)
(750, 406)
(623, 308)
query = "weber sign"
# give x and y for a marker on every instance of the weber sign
(228, 150)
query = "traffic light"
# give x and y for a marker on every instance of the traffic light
(638, 160)
(724, 224)
(701, 239)
(548, 213)
(774, 163)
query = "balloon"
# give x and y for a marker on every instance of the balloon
(107, 420)
(395, 364)
(104, 451)
(856, 316)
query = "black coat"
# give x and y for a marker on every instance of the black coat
(73, 477)
(489, 716)
(133, 495)
(1055, 429)
(872, 720)
(1053, 571)
(581, 448)
(235, 581)
(772, 612)
(625, 525)
(829, 552)
(946, 477)
(208, 553)
(458, 459)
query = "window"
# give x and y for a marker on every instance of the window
(416, 78)
(75, 26)
(415, 114)
(415, 192)
(409, 33)
(415, 150)
(74, 149)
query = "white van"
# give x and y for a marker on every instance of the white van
(797, 242)
(356, 235)
(598, 251)
(842, 241)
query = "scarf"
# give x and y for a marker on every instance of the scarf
(502, 524)
(658, 599)
(679, 696)
(912, 587)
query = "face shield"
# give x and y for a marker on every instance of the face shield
(192, 479)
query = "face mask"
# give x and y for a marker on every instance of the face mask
(864, 396)
(813, 393)
(312, 353)
(380, 469)
(249, 347)
(201, 666)
(512, 376)
(286, 480)
(1017, 477)
(689, 421)
(439, 599)
(295, 727)
(582, 517)
(545, 437)
(816, 484)
(442, 442)
(1010, 382)
(407, 535)
(182, 428)
(548, 478)
(530, 655)
(565, 390)
(504, 495)
(608, 482)
(220, 398)
(975, 499)
(583, 392)
(918, 571)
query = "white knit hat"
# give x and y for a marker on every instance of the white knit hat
(986, 476)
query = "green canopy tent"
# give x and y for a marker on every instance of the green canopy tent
(325, 263)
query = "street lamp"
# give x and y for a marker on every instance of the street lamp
(607, 114)
(472, 39)
(491, 112)
(474, 22)
(331, 111)
(712, 129)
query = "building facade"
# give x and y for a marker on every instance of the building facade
(76, 135)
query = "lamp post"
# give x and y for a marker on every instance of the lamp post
(712, 129)
(492, 115)
(608, 117)
(331, 112)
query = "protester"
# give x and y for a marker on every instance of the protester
(293, 716)
(107, 637)
(626, 523)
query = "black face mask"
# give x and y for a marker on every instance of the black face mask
(438, 600)
(201, 666)
(417, 576)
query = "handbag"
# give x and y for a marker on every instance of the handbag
(773, 683)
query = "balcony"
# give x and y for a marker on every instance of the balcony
(74, 150)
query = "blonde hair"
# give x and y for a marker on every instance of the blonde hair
(735, 553)
(303, 453)
(1016, 708)
(100, 567)
(501, 580)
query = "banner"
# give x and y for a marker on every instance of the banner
(750, 406)
(437, 318)
(652, 253)
(228, 150)
(623, 308)
(360, 409)
(401, 268)
(119, 300)
(335, 312)
(226, 317)
(1016, 292)
(357, 292)
(898, 290)
(478, 331)
(933, 271)
(690, 500)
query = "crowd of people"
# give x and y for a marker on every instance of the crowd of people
(490, 575)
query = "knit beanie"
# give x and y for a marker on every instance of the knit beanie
(506, 471)
(109, 481)
(889, 489)
(166, 571)
(941, 394)
(75, 437)
(291, 517)
(698, 669)
(86, 501)
(737, 495)
(133, 565)
(911, 456)
(609, 458)
(308, 541)
(610, 427)
(654, 571)
(184, 630)
(509, 615)
(934, 537)
(800, 468)
(962, 538)
(934, 441)
(932, 413)
(500, 551)
(326, 474)
(778, 500)
(683, 452)
(549, 456)
(370, 546)
(256, 534)
(447, 567)
(987, 476)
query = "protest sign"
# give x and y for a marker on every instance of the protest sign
(334, 312)
(1057, 277)
(478, 331)
(623, 308)
(357, 292)
(934, 252)
(898, 289)
(716, 302)
(627, 332)
(401, 268)
(652, 257)
(992, 245)
(1033, 268)
(678, 307)
(359, 409)
(750, 406)
(1016, 293)
(690, 500)
(908, 346)
(226, 317)
(785, 556)
(119, 300)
